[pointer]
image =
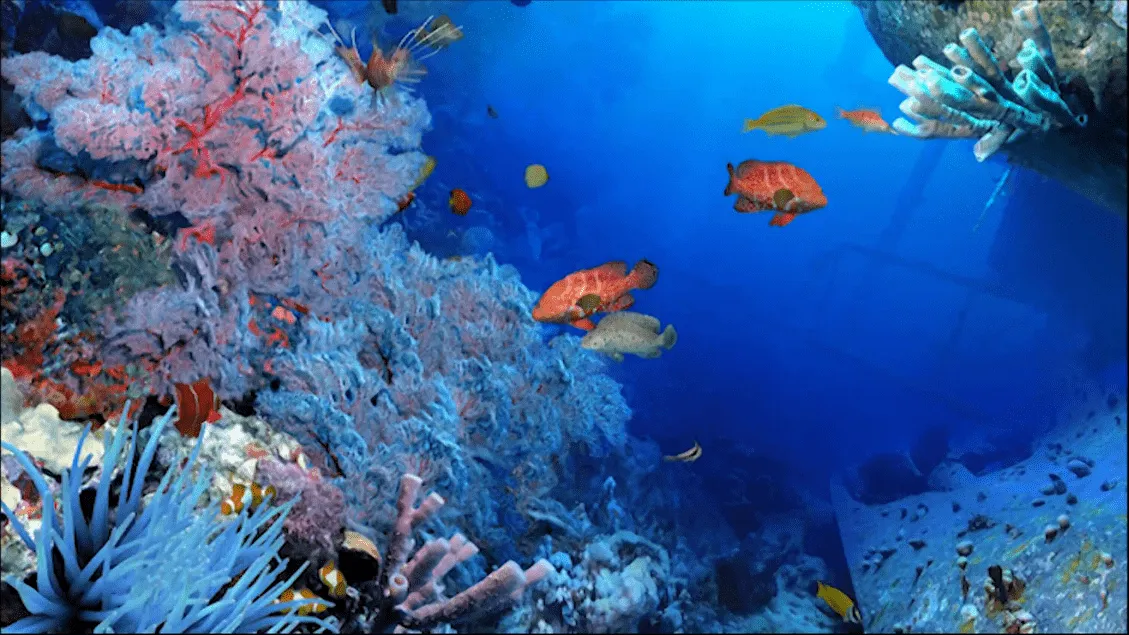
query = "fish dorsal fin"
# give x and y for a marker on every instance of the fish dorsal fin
(615, 267)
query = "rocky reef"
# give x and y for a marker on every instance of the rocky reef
(1043, 83)
(1038, 546)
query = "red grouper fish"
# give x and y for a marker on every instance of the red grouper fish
(607, 288)
(774, 186)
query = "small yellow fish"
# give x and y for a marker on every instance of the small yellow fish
(242, 496)
(536, 175)
(424, 172)
(358, 542)
(689, 456)
(439, 33)
(791, 121)
(839, 602)
(333, 579)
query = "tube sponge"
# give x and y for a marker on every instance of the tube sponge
(973, 98)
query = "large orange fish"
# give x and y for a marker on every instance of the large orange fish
(774, 186)
(195, 404)
(607, 288)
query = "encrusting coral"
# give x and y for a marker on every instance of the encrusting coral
(975, 100)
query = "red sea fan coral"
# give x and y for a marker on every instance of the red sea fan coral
(234, 102)
(242, 120)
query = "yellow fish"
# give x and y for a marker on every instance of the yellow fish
(840, 603)
(439, 33)
(333, 579)
(536, 176)
(791, 121)
(424, 172)
(689, 456)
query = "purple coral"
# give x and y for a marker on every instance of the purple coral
(317, 520)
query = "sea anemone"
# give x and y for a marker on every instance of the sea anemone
(161, 566)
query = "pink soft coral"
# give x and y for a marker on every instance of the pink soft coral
(315, 525)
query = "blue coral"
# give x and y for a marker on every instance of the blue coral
(162, 565)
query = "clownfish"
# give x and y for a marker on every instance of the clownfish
(289, 595)
(243, 496)
(333, 579)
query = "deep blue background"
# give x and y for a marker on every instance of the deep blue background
(846, 333)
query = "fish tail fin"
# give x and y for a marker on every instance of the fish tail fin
(780, 219)
(750, 124)
(840, 112)
(669, 337)
(645, 273)
(729, 185)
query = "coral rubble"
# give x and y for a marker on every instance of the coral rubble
(993, 560)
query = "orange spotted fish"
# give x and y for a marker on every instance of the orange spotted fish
(243, 496)
(195, 404)
(460, 202)
(774, 186)
(866, 118)
(605, 289)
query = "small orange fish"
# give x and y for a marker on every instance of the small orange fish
(866, 118)
(406, 201)
(195, 404)
(289, 595)
(333, 580)
(243, 496)
(460, 202)
(284, 314)
(607, 288)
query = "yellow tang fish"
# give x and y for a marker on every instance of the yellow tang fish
(689, 456)
(840, 603)
(791, 121)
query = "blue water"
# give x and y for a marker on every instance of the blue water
(823, 341)
(925, 298)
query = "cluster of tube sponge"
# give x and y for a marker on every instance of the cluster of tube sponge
(974, 99)
(413, 586)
